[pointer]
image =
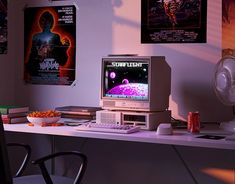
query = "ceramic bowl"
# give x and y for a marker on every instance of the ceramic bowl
(40, 121)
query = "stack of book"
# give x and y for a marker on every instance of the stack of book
(14, 114)
(78, 112)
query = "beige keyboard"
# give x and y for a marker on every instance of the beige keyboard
(108, 127)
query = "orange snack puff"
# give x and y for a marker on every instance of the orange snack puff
(44, 114)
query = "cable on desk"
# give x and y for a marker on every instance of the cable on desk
(178, 120)
(185, 164)
(178, 124)
(182, 124)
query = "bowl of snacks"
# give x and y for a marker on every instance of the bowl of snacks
(43, 118)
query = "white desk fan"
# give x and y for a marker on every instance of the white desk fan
(224, 85)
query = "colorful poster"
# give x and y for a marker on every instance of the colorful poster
(173, 21)
(50, 39)
(228, 27)
(3, 26)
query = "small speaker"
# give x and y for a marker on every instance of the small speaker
(105, 116)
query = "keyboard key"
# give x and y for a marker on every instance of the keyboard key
(108, 127)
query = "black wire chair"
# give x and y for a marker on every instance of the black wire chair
(7, 178)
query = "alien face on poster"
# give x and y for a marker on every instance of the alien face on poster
(50, 45)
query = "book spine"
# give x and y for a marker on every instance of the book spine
(3, 111)
(10, 110)
(18, 110)
(6, 120)
(14, 120)
(4, 116)
(13, 115)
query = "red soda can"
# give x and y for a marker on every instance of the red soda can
(193, 122)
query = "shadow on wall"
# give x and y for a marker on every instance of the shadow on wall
(94, 40)
(197, 93)
(117, 3)
(199, 97)
(191, 84)
(192, 73)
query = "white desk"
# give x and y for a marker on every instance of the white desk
(180, 137)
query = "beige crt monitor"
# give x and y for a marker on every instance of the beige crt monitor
(135, 83)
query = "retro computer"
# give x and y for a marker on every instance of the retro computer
(135, 90)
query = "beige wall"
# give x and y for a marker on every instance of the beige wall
(113, 27)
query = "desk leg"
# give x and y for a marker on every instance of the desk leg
(52, 152)
(185, 164)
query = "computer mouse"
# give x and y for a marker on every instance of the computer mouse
(164, 129)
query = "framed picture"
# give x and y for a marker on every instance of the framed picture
(228, 25)
(3, 26)
(173, 21)
(50, 45)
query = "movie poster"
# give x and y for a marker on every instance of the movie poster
(50, 36)
(173, 21)
(3, 26)
(228, 27)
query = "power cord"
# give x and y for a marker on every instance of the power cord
(177, 123)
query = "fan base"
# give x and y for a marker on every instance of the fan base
(228, 126)
(230, 138)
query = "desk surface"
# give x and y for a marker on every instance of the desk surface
(179, 137)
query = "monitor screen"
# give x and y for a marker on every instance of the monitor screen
(126, 79)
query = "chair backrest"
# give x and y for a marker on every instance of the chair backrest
(5, 173)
